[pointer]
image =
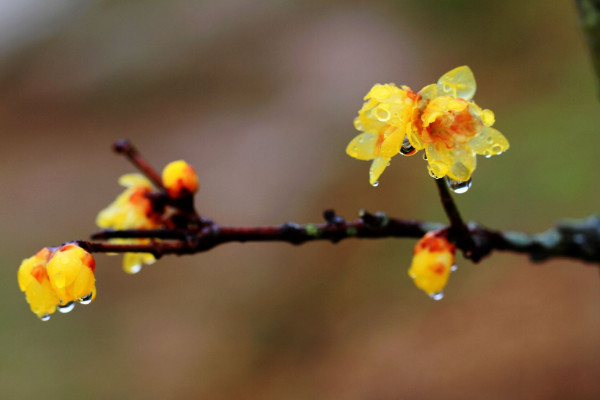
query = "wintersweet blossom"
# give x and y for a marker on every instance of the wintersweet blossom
(433, 259)
(451, 128)
(132, 209)
(383, 121)
(179, 178)
(440, 119)
(57, 277)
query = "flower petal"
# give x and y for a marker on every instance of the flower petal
(460, 82)
(377, 167)
(363, 146)
(489, 142)
(438, 160)
(463, 164)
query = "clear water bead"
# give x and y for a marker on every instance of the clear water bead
(407, 149)
(134, 269)
(85, 300)
(65, 308)
(458, 186)
(437, 296)
(45, 317)
(375, 184)
(453, 268)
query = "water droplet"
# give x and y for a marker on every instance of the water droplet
(375, 184)
(85, 300)
(45, 317)
(458, 186)
(490, 139)
(437, 296)
(488, 156)
(425, 156)
(360, 140)
(134, 269)
(67, 307)
(453, 268)
(407, 149)
(355, 149)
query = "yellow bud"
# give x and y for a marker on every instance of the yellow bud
(431, 265)
(179, 178)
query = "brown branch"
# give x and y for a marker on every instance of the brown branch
(125, 147)
(574, 239)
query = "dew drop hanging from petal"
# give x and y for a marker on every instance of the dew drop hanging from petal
(437, 296)
(85, 300)
(66, 308)
(407, 149)
(45, 317)
(458, 186)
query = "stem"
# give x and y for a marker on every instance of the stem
(125, 147)
(458, 230)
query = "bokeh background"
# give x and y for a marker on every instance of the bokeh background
(260, 96)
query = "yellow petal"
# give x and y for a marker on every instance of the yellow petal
(463, 163)
(438, 160)
(379, 164)
(71, 273)
(133, 262)
(489, 142)
(129, 180)
(363, 146)
(441, 106)
(429, 92)
(391, 144)
(459, 82)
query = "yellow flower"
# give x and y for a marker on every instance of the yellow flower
(451, 128)
(383, 121)
(441, 119)
(132, 209)
(71, 273)
(179, 178)
(33, 280)
(433, 259)
(56, 278)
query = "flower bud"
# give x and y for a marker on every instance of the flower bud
(433, 258)
(179, 178)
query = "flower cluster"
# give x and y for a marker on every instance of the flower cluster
(440, 119)
(433, 260)
(57, 277)
(141, 206)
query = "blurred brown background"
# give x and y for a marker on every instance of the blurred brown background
(259, 96)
